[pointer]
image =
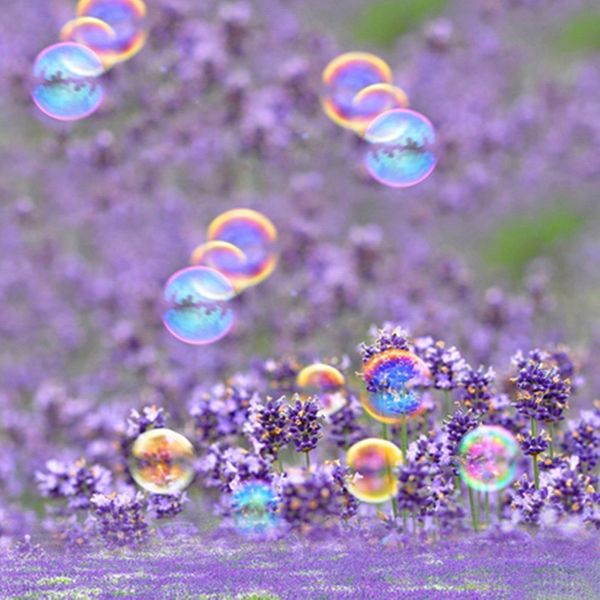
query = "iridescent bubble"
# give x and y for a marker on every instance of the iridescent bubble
(255, 235)
(488, 458)
(374, 100)
(65, 82)
(393, 379)
(253, 506)
(402, 148)
(326, 382)
(162, 461)
(343, 78)
(372, 464)
(225, 258)
(93, 33)
(198, 311)
(126, 18)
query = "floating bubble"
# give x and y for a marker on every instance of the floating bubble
(197, 311)
(326, 383)
(372, 101)
(372, 463)
(126, 18)
(255, 235)
(162, 461)
(343, 78)
(93, 33)
(253, 506)
(488, 458)
(66, 85)
(402, 148)
(393, 379)
(225, 258)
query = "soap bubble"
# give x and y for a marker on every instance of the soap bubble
(488, 458)
(326, 382)
(372, 464)
(162, 461)
(255, 235)
(126, 18)
(343, 78)
(372, 101)
(224, 257)
(253, 507)
(401, 152)
(393, 379)
(93, 33)
(66, 85)
(197, 300)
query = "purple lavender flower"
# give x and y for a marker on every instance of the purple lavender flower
(446, 365)
(476, 389)
(304, 423)
(166, 506)
(268, 426)
(344, 428)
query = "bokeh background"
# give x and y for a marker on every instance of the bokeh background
(498, 250)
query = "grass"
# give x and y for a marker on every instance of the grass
(580, 33)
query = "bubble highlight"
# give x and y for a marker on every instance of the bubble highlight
(320, 377)
(253, 507)
(66, 82)
(225, 258)
(162, 461)
(372, 101)
(402, 148)
(488, 458)
(372, 463)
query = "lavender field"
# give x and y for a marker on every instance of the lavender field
(300, 299)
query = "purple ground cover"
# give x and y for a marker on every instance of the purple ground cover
(486, 272)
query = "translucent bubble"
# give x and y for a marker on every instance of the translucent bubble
(253, 506)
(372, 463)
(255, 235)
(343, 78)
(126, 18)
(402, 148)
(225, 258)
(326, 383)
(488, 458)
(65, 82)
(197, 300)
(393, 379)
(162, 461)
(93, 33)
(374, 100)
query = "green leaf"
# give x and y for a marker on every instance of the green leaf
(580, 32)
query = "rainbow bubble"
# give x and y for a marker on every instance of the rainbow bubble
(376, 99)
(343, 78)
(402, 148)
(197, 311)
(93, 33)
(126, 18)
(162, 461)
(255, 235)
(326, 382)
(488, 458)
(225, 258)
(66, 85)
(253, 507)
(372, 463)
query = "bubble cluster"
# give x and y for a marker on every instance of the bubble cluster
(393, 379)
(161, 461)
(65, 82)
(401, 152)
(125, 18)
(255, 235)
(197, 305)
(326, 382)
(253, 506)
(488, 458)
(372, 463)
(343, 78)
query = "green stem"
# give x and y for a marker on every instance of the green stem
(404, 438)
(473, 509)
(388, 468)
(487, 508)
(536, 468)
(552, 433)
(499, 506)
(279, 465)
(307, 455)
(447, 404)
